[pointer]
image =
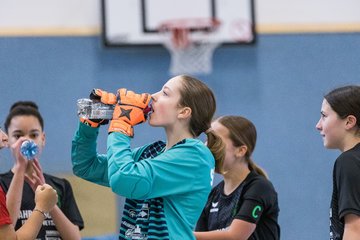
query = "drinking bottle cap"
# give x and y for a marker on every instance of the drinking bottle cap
(29, 149)
(148, 109)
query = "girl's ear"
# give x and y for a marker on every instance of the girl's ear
(350, 122)
(184, 113)
(241, 151)
(43, 138)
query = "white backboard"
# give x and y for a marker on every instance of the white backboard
(136, 22)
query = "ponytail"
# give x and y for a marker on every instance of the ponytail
(256, 168)
(217, 148)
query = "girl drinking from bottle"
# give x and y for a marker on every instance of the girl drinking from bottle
(166, 184)
(45, 199)
(64, 220)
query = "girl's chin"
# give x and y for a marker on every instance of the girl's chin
(153, 124)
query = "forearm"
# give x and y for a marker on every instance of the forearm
(14, 196)
(352, 227)
(31, 228)
(86, 163)
(67, 230)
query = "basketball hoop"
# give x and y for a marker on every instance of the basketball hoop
(189, 43)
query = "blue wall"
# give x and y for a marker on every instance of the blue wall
(278, 84)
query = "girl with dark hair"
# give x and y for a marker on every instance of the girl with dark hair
(245, 204)
(64, 221)
(45, 200)
(339, 126)
(166, 184)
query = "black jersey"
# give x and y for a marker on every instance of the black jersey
(66, 202)
(254, 200)
(346, 190)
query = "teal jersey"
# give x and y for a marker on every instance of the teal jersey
(165, 190)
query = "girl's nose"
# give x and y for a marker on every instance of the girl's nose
(4, 138)
(318, 125)
(153, 96)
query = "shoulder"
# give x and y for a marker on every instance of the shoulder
(193, 146)
(348, 161)
(258, 186)
(5, 179)
(7, 174)
(254, 179)
(193, 150)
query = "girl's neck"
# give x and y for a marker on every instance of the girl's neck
(349, 143)
(234, 177)
(175, 135)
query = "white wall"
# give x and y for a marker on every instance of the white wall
(76, 17)
(49, 17)
(308, 11)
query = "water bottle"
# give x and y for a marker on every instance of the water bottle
(29, 149)
(90, 109)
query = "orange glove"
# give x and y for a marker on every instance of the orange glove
(103, 96)
(129, 111)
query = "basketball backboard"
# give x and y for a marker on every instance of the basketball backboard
(137, 22)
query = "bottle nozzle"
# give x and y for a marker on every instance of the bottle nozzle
(29, 149)
(148, 109)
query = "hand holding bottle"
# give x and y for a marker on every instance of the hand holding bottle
(129, 111)
(99, 109)
(21, 161)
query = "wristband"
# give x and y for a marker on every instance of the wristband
(38, 210)
(89, 123)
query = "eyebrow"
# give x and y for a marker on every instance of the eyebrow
(31, 131)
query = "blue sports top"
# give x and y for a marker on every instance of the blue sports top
(166, 191)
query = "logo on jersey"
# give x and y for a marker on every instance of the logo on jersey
(135, 233)
(255, 211)
(214, 207)
(143, 214)
(54, 235)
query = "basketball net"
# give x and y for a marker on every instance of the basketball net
(188, 42)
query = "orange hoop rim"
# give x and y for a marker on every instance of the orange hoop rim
(190, 24)
(180, 29)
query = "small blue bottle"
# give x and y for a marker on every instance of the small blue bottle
(29, 149)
